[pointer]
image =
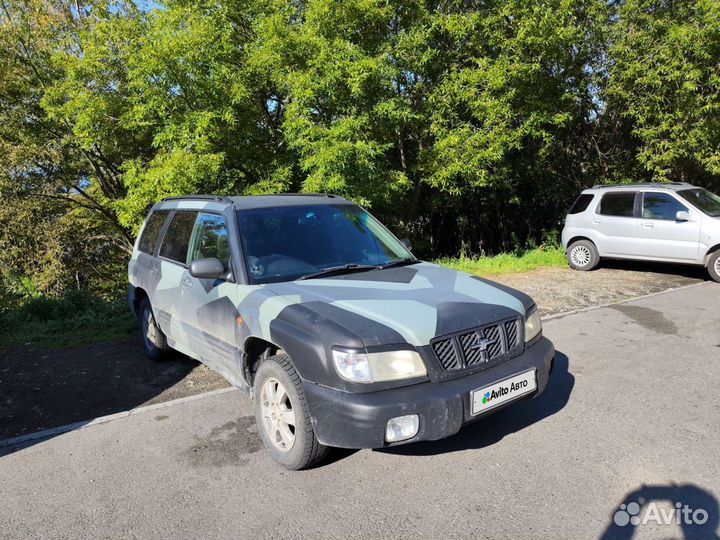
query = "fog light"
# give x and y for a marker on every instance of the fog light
(401, 428)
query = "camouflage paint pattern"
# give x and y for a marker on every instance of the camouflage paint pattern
(402, 307)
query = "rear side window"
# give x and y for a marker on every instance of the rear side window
(177, 238)
(661, 206)
(582, 202)
(618, 204)
(151, 231)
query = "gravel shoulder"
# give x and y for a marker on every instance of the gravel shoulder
(40, 388)
(557, 290)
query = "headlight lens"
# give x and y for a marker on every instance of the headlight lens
(532, 324)
(364, 367)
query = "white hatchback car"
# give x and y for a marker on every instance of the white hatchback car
(671, 222)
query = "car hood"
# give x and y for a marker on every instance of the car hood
(409, 304)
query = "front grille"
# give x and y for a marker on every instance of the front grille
(512, 332)
(479, 347)
(445, 351)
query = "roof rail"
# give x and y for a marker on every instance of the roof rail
(218, 198)
(328, 195)
(642, 184)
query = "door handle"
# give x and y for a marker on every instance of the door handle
(647, 225)
(596, 221)
(186, 282)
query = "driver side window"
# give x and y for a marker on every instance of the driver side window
(209, 239)
(661, 206)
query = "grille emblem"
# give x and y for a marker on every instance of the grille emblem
(482, 344)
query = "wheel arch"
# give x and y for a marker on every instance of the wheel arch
(139, 295)
(578, 238)
(255, 350)
(709, 252)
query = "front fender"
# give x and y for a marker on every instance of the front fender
(308, 339)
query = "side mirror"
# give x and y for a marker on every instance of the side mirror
(405, 242)
(682, 215)
(208, 269)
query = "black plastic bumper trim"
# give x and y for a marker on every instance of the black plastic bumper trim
(358, 420)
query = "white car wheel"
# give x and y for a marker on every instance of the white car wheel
(713, 266)
(582, 255)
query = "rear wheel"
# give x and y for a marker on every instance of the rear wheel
(283, 417)
(582, 255)
(713, 266)
(154, 341)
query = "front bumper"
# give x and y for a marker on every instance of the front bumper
(352, 420)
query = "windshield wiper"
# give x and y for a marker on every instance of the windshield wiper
(398, 262)
(342, 269)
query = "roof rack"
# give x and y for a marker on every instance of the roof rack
(218, 198)
(642, 184)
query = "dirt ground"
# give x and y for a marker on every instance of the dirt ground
(41, 389)
(557, 290)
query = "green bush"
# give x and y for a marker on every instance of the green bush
(74, 319)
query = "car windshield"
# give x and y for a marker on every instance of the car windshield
(288, 242)
(703, 199)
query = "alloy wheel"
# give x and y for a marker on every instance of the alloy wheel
(149, 330)
(580, 256)
(277, 414)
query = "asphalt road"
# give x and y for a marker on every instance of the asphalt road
(632, 415)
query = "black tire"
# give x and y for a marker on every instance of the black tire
(582, 255)
(154, 341)
(713, 266)
(305, 450)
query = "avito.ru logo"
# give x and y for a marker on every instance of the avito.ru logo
(503, 390)
(682, 514)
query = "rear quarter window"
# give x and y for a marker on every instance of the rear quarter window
(581, 203)
(618, 204)
(151, 231)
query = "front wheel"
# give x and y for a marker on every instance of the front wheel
(713, 265)
(283, 417)
(582, 255)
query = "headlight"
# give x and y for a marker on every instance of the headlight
(364, 367)
(532, 324)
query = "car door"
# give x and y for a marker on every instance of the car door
(169, 272)
(208, 315)
(660, 235)
(616, 224)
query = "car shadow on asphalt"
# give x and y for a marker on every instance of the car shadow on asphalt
(690, 508)
(48, 393)
(492, 429)
(681, 270)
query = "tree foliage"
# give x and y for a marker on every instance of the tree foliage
(665, 77)
(468, 125)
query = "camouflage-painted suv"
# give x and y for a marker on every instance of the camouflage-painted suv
(316, 310)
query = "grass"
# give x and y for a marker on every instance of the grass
(72, 321)
(506, 263)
